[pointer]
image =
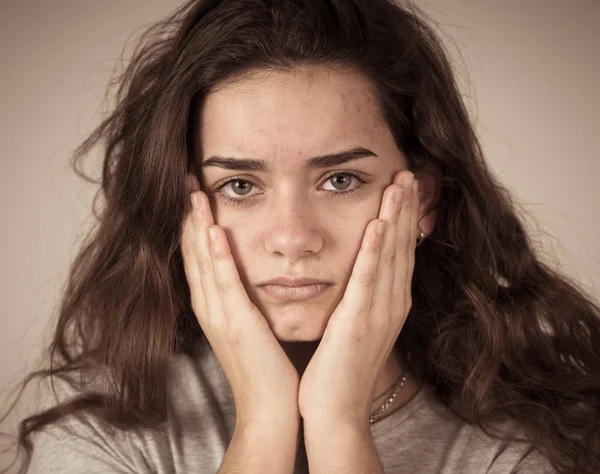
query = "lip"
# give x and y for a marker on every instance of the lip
(285, 281)
(295, 293)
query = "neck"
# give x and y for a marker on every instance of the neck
(300, 353)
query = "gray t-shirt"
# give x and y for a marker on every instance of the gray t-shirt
(423, 436)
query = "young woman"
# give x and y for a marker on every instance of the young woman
(304, 263)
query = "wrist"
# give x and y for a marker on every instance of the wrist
(325, 427)
(271, 421)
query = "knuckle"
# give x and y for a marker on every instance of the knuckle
(389, 259)
(219, 257)
(226, 285)
(204, 263)
(404, 240)
(366, 278)
(228, 278)
(360, 332)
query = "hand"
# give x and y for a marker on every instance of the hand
(263, 380)
(339, 381)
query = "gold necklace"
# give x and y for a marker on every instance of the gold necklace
(395, 389)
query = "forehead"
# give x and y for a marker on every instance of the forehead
(285, 117)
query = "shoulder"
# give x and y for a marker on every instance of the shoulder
(200, 423)
(477, 450)
(77, 442)
(426, 436)
(473, 450)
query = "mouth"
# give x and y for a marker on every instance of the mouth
(295, 293)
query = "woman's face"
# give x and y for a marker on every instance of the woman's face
(290, 219)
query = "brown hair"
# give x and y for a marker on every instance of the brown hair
(498, 333)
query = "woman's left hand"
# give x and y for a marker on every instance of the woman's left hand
(338, 383)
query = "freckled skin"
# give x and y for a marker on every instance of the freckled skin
(293, 226)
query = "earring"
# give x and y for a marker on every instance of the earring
(420, 238)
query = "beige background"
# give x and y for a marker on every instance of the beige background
(533, 66)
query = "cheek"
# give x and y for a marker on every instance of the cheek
(350, 222)
(347, 242)
(346, 232)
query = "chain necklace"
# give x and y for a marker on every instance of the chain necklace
(395, 389)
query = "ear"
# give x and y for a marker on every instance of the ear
(430, 185)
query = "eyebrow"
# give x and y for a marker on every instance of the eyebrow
(325, 161)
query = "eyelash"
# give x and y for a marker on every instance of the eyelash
(238, 202)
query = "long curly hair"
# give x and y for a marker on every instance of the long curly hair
(497, 332)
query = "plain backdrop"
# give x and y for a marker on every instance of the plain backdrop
(528, 70)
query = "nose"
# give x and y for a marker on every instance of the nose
(293, 232)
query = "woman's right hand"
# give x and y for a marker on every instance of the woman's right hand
(263, 381)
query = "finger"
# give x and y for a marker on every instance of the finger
(413, 242)
(190, 262)
(232, 293)
(202, 220)
(403, 243)
(359, 291)
(188, 252)
(386, 269)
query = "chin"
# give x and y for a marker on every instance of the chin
(297, 322)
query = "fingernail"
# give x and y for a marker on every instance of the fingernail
(191, 183)
(408, 180)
